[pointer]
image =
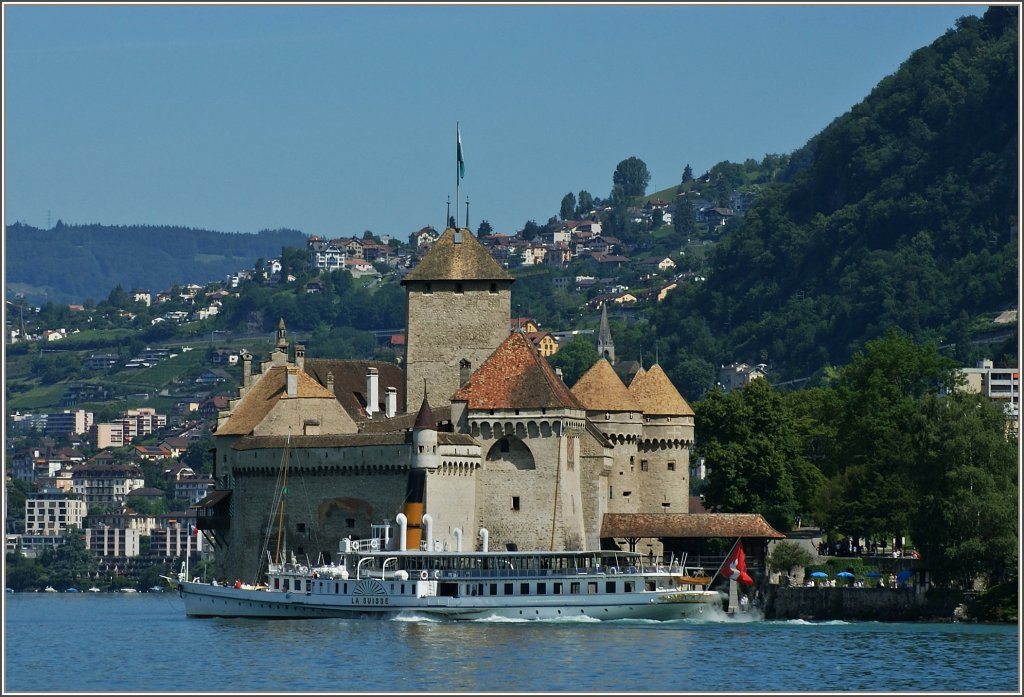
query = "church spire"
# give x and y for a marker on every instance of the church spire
(605, 346)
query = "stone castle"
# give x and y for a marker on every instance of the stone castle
(478, 431)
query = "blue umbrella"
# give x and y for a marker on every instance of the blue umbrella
(844, 574)
(819, 574)
(904, 575)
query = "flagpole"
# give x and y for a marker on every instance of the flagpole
(726, 559)
(458, 145)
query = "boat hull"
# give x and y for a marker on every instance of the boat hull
(205, 600)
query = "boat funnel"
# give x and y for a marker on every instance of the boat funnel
(402, 523)
(428, 531)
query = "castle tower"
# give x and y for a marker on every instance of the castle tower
(605, 346)
(616, 479)
(664, 447)
(458, 312)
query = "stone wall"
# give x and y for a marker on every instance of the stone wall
(877, 604)
(444, 327)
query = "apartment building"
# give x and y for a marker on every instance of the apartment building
(51, 511)
(105, 483)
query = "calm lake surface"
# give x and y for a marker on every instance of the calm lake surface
(87, 642)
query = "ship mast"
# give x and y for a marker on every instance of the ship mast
(280, 508)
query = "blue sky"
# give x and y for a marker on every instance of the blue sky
(335, 119)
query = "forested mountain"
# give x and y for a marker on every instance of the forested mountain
(902, 212)
(70, 263)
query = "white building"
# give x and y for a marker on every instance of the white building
(51, 512)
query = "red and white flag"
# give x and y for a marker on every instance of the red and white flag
(735, 566)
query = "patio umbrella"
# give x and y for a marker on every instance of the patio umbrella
(844, 574)
(904, 575)
(819, 574)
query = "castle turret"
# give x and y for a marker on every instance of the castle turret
(424, 459)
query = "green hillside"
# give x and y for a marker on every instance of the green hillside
(70, 263)
(902, 212)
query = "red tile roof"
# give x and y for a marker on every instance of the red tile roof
(516, 376)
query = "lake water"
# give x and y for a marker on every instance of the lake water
(144, 643)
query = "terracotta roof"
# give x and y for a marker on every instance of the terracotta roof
(657, 395)
(601, 389)
(262, 397)
(687, 525)
(467, 260)
(516, 376)
(350, 382)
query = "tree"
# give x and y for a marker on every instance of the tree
(484, 229)
(632, 176)
(965, 477)
(786, 556)
(584, 204)
(568, 209)
(687, 174)
(752, 451)
(530, 230)
(684, 218)
(22, 573)
(575, 358)
(71, 563)
(199, 454)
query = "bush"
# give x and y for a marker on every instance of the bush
(786, 556)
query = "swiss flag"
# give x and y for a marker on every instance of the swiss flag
(735, 566)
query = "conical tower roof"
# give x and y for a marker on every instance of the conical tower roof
(601, 389)
(458, 256)
(657, 395)
(425, 417)
(516, 376)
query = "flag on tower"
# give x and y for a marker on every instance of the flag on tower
(458, 153)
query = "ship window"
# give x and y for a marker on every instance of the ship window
(494, 589)
(609, 587)
(309, 586)
(557, 590)
(592, 587)
(627, 587)
(479, 589)
(337, 588)
(574, 588)
(403, 589)
(524, 589)
(649, 585)
(509, 590)
(287, 584)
